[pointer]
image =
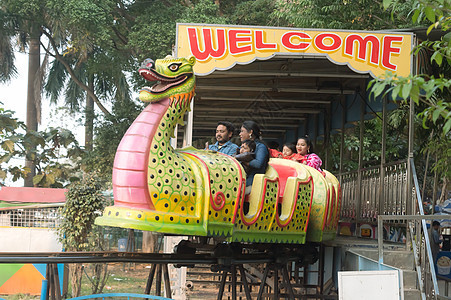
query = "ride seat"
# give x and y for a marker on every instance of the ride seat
(284, 173)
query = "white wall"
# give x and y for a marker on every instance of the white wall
(28, 240)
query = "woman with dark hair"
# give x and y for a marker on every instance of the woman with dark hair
(304, 147)
(251, 131)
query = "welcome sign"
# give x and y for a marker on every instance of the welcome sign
(220, 47)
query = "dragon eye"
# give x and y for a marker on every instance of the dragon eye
(174, 67)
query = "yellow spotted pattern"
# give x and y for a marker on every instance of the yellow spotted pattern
(264, 220)
(301, 213)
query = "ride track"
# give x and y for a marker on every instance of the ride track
(228, 259)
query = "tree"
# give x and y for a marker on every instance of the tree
(430, 91)
(24, 22)
(7, 68)
(339, 14)
(77, 231)
(55, 152)
(10, 134)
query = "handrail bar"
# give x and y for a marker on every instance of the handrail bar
(423, 224)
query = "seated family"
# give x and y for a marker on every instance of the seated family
(302, 152)
(254, 154)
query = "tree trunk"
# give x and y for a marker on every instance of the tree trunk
(33, 72)
(76, 274)
(89, 117)
(149, 242)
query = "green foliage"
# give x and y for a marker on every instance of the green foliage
(430, 89)
(440, 147)
(84, 203)
(77, 232)
(202, 11)
(54, 151)
(259, 12)
(340, 14)
(433, 90)
(396, 142)
(10, 136)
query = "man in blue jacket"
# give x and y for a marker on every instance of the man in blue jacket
(224, 132)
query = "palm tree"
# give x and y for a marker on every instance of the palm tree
(7, 68)
(33, 96)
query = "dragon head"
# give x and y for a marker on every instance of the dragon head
(173, 75)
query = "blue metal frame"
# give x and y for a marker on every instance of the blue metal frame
(112, 295)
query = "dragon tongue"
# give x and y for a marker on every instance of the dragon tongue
(159, 87)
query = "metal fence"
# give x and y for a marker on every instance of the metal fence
(37, 217)
(364, 197)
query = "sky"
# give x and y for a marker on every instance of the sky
(13, 95)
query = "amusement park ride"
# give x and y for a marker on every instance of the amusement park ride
(200, 192)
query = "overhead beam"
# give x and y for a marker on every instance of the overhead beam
(265, 73)
(197, 127)
(197, 123)
(241, 110)
(221, 117)
(202, 98)
(273, 89)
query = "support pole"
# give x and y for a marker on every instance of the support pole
(342, 135)
(327, 117)
(321, 268)
(158, 280)
(222, 285)
(287, 282)
(381, 207)
(56, 281)
(262, 285)
(150, 278)
(47, 276)
(410, 205)
(276, 283)
(167, 281)
(358, 214)
(233, 273)
(244, 281)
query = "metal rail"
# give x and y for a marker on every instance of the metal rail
(119, 295)
(156, 258)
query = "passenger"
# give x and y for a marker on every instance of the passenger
(288, 152)
(305, 148)
(251, 131)
(224, 132)
(247, 153)
(274, 150)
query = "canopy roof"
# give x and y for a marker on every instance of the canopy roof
(291, 81)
